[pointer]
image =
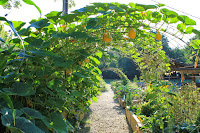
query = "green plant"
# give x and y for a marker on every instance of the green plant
(135, 79)
(197, 123)
(186, 104)
(147, 109)
(34, 86)
(103, 86)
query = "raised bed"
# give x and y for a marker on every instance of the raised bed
(133, 120)
(122, 102)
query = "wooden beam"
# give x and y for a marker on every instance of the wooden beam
(187, 70)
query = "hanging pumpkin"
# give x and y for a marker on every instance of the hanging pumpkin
(106, 37)
(144, 14)
(158, 36)
(131, 34)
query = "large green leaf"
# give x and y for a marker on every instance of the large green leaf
(196, 32)
(157, 16)
(7, 111)
(40, 24)
(8, 100)
(11, 25)
(57, 122)
(20, 89)
(95, 60)
(54, 84)
(32, 113)
(3, 62)
(186, 20)
(43, 52)
(3, 2)
(54, 15)
(75, 93)
(181, 27)
(169, 13)
(99, 54)
(39, 43)
(132, 5)
(78, 75)
(189, 30)
(79, 34)
(60, 35)
(21, 123)
(9, 77)
(36, 43)
(30, 2)
(117, 9)
(146, 7)
(61, 62)
(69, 17)
(10, 103)
(92, 24)
(94, 99)
(92, 39)
(195, 44)
(17, 24)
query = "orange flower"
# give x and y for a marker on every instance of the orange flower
(72, 40)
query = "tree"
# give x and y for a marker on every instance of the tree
(4, 35)
(12, 4)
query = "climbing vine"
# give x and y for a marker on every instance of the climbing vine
(50, 70)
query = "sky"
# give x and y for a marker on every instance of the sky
(27, 12)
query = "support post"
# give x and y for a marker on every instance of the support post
(193, 78)
(65, 6)
(182, 78)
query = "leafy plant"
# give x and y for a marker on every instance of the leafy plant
(42, 94)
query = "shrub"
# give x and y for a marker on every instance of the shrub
(147, 109)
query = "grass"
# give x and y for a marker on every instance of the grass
(108, 81)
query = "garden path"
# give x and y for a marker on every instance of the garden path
(106, 116)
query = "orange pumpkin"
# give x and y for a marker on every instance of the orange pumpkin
(64, 26)
(131, 34)
(144, 14)
(158, 36)
(106, 37)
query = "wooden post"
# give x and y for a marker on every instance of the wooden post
(182, 78)
(193, 78)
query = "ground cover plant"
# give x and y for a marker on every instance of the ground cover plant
(49, 71)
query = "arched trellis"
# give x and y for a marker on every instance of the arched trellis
(117, 19)
(123, 77)
(65, 41)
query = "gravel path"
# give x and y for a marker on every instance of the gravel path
(106, 116)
